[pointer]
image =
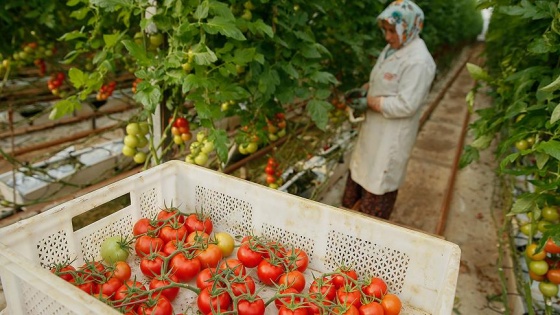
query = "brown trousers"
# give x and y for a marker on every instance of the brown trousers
(357, 198)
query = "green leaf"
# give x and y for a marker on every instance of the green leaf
(148, 95)
(524, 203)
(319, 112)
(477, 72)
(323, 77)
(482, 142)
(72, 35)
(555, 114)
(113, 5)
(221, 9)
(260, 27)
(220, 138)
(509, 159)
(64, 107)
(77, 77)
(205, 58)
(137, 52)
(541, 159)
(111, 39)
(223, 26)
(80, 14)
(310, 51)
(191, 82)
(290, 70)
(555, 85)
(551, 147)
(201, 11)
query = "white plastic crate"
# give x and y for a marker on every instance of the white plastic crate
(420, 268)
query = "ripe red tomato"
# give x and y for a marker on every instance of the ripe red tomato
(213, 301)
(184, 267)
(142, 226)
(293, 279)
(120, 270)
(297, 259)
(391, 304)
(375, 287)
(551, 247)
(235, 266)
(65, 272)
(92, 270)
(316, 303)
(170, 214)
(164, 281)
(242, 285)
(371, 308)
(197, 222)
(295, 310)
(349, 294)
(110, 286)
(346, 310)
(181, 122)
(269, 273)
(159, 306)
(126, 296)
(147, 244)
(170, 232)
(553, 275)
(152, 265)
(255, 306)
(269, 170)
(325, 287)
(344, 275)
(249, 258)
(287, 297)
(205, 278)
(209, 256)
(86, 285)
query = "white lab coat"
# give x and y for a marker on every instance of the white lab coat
(386, 139)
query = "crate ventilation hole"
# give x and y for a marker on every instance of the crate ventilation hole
(228, 213)
(38, 303)
(53, 249)
(372, 259)
(286, 237)
(148, 203)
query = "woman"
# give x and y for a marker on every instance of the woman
(398, 85)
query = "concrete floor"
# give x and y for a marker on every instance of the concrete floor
(474, 211)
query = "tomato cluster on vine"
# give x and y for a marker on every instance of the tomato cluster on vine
(543, 261)
(180, 129)
(134, 140)
(273, 173)
(105, 91)
(276, 127)
(135, 84)
(200, 149)
(55, 82)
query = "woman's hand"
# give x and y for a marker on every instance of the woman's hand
(374, 103)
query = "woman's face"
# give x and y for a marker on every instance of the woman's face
(391, 35)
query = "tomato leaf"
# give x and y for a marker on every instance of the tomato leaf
(220, 139)
(137, 52)
(64, 107)
(111, 39)
(551, 147)
(477, 72)
(77, 77)
(555, 85)
(319, 112)
(112, 5)
(323, 77)
(482, 142)
(259, 27)
(202, 10)
(509, 159)
(524, 203)
(148, 95)
(223, 26)
(541, 158)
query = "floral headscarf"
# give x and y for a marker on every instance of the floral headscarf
(406, 16)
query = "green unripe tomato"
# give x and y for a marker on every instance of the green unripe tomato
(132, 129)
(128, 151)
(548, 289)
(156, 39)
(131, 141)
(522, 145)
(207, 146)
(550, 214)
(113, 249)
(140, 157)
(201, 159)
